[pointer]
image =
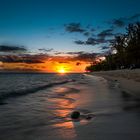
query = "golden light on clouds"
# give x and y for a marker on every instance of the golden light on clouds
(53, 65)
(48, 66)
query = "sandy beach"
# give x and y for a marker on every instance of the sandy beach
(128, 80)
(116, 105)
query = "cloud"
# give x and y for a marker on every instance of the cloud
(89, 41)
(78, 64)
(105, 33)
(87, 33)
(63, 62)
(89, 57)
(123, 21)
(93, 41)
(118, 22)
(79, 42)
(15, 49)
(30, 59)
(75, 56)
(46, 50)
(135, 17)
(58, 53)
(104, 47)
(69, 53)
(75, 53)
(74, 27)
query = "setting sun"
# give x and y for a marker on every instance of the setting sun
(62, 70)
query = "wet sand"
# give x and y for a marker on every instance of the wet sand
(117, 116)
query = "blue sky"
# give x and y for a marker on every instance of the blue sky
(39, 24)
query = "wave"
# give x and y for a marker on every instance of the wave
(12, 94)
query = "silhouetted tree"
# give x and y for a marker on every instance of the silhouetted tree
(133, 43)
(127, 48)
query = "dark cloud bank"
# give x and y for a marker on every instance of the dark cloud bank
(6, 48)
(105, 36)
(16, 57)
(123, 21)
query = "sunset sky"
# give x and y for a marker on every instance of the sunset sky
(57, 35)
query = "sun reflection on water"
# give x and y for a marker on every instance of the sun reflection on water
(64, 106)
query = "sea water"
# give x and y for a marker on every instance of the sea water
(39, 106)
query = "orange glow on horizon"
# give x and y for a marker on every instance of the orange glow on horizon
(49, 66)
(61, 70)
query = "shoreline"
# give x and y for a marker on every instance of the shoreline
(105, 114)
(129, 80)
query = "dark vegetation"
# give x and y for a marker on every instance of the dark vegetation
(127, 54)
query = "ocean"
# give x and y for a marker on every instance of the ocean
(39, 107)
(13, 85)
